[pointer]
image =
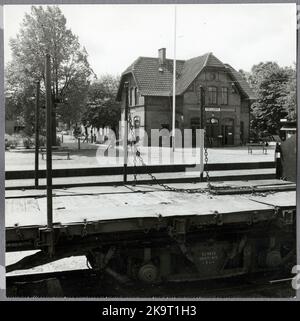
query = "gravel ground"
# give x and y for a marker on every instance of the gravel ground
(92, 155)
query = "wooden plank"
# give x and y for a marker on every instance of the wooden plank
(280, 199)
(238, 166)
(100, 171)
(125, 189)
(75, 209)
(149, 181)
(242, 177)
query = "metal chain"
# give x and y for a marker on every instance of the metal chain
(133, 145)
(165, 186)
(206, 161)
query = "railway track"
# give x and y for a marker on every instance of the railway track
(89, 283)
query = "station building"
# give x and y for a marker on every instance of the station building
(226, 99)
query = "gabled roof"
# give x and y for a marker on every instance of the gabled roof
(153, 82)
(241, 82)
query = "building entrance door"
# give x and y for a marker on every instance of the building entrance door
(228, 132)
(195, 124)
(212, 131)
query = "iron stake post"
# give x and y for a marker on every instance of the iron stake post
(125, 143)
(202, 102)
(49, 141)
(37, 121)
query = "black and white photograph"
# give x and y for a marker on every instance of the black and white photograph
(150, 150)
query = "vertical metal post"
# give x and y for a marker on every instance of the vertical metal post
(125, 142)
(202, 103)
(278, 164)
(37, 124)
(49, 141)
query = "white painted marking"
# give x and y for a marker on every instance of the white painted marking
(2, 277)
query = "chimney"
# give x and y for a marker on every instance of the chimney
(162, 56)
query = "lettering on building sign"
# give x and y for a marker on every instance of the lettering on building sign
(212, 108)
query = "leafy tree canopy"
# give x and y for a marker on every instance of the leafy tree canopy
(275, 88)
(102, 109)
(43, 31)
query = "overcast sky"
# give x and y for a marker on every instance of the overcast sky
(115, 35)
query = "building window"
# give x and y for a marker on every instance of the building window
(212, 95)
(212, 76)
(136, 96)
(131, 96)
(224, 96)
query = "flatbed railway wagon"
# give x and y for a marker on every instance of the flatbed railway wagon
(228, 230)
(154, 234)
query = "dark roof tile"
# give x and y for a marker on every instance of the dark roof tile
(241, 82)
(154, 81)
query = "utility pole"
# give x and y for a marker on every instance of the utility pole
(37, 124)
(49, 141)
(125, 142)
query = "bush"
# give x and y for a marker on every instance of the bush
(27, 142)
(42, 141)
(10, 142)
(58, 141)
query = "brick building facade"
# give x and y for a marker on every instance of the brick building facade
(227, 97)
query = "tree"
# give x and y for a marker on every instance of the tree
(246, 75)
(102, 109)
(44, 31)
(270, 83)
(290, 99)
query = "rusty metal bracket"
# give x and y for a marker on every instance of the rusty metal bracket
(177, 230)
(46, 239)
(287, 216)
(253, 218)
(218, 218)
(18, 232)
(84, 230)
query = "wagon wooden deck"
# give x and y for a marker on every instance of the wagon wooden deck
(90, 204)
